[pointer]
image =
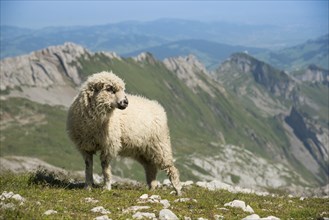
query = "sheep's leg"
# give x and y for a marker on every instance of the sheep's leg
(88, 157)
(150, 173)
(173, 175)
(106, 168)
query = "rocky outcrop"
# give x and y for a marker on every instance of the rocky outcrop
(52, 66)
(314, 138)
(188, 69)
(314, 74)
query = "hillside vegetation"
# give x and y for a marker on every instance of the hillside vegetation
(45, 196)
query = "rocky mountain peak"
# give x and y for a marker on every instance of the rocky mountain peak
(275, 81)
(42, 68)
(188, 70)
(145, 57)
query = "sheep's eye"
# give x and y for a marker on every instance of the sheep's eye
(111, 89)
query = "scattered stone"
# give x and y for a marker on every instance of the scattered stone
(135, 208)
(185, 200)
(218, 217)
(256, 217)
(166, 182)
(144, 196)
(165, 203)
(187, 183)
(101, 210)
(155, 198)
(187, 218)
(202, 218)
(166, 214)
(240, 204)
(50, 212)
(302, 198)
(251, 217)
(7, 206)
(270, 218)
(216, 185)
(103, 217)
(141, 215)
(10, 195)
(91, 200)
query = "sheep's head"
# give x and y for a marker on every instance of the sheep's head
(106, 91)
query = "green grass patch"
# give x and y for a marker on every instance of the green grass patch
(70, 202)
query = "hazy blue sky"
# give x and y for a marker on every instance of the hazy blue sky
(37, 14)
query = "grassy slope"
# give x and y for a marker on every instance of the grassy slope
(70, 203)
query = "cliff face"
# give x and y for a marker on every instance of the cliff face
(48, 67)
(313, 74)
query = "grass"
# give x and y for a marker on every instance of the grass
(43, 193)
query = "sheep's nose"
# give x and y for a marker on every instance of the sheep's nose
(123, 103)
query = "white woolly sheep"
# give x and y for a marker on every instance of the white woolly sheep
(138, 130)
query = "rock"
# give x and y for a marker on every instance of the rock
(7, 206)
(256, 217)
(187, 183)
(135, 208)
(166, 214)
(251, 217)
(141, 215)
(10, 195)
(248, 209)
(270, 218)
(101, 210)
(155, 198)
(91, 200)
(185, 200)
(240, 204)
(144, 196)
(166, 182)
(218, 217)
(165, 203)
(50, 212)
(103, 217)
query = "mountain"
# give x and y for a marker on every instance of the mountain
(300, 107)
(130, 36)
(219, 129)
(300, 56)
(210, 53)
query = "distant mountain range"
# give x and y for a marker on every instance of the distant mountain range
(246, 123)
(294, 58)
(210, 42)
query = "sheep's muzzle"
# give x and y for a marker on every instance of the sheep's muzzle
(123, 103)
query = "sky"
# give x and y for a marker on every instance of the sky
(39, 14)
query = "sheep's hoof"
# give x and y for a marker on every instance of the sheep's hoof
(107, 187)
(88, 187)
(178, 193)
(153, 185)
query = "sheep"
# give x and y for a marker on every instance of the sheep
(102, 119)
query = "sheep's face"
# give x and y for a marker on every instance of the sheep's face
(108, 93)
